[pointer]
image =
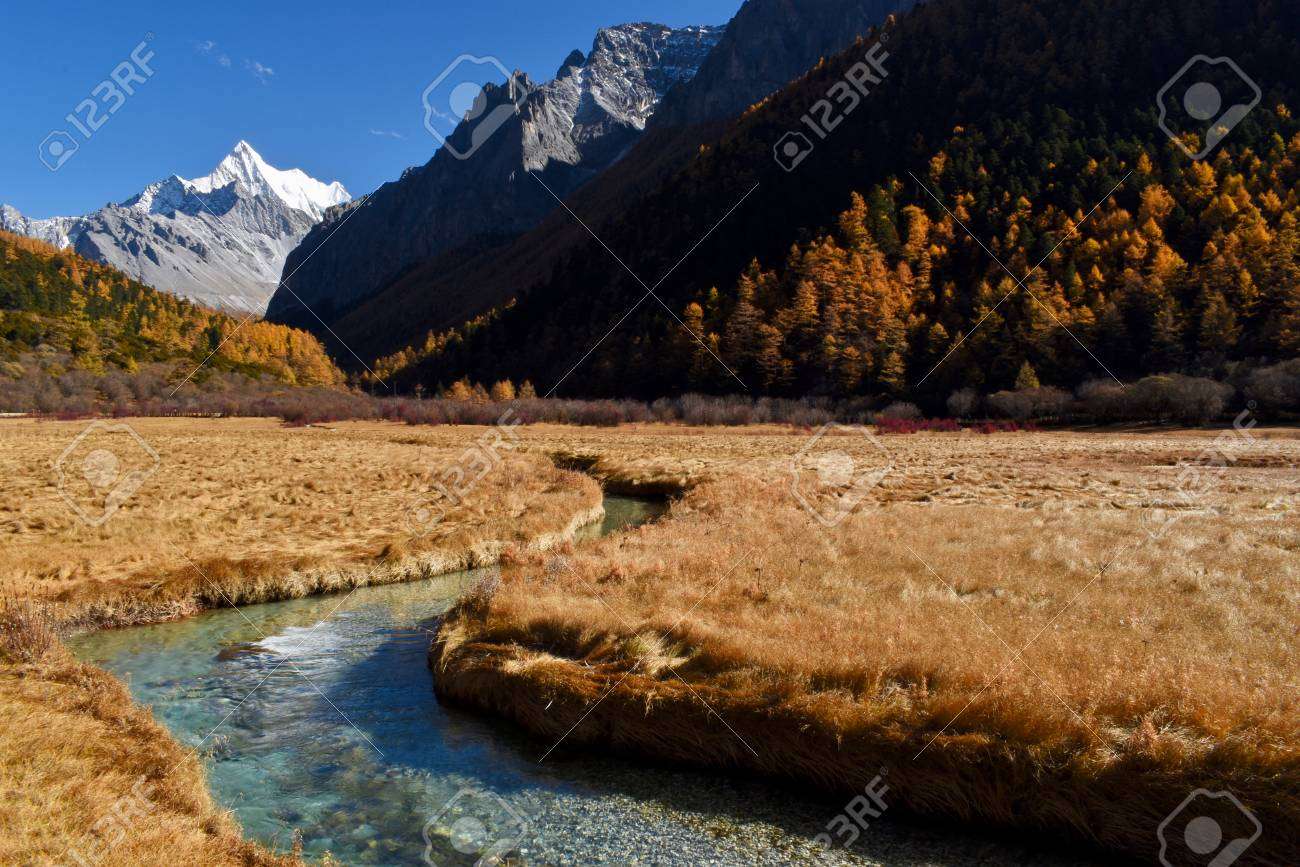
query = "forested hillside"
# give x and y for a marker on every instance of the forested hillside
(767, 44)
(55, 303)
(851, 275)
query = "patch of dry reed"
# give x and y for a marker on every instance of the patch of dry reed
(243, 511)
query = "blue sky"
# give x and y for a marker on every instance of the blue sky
(317, 85)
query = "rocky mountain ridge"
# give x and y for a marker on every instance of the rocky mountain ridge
(566, 130)
(768, 44)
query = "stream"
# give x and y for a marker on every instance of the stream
(319, 715)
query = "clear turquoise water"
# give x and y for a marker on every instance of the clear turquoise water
(318, 715)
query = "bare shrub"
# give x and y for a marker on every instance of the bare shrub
(901, 411)
(1177, 397)
(26, 631)
(1102, 400)
(1276, 388)
(52, 385)
(1027, 403)
(1171, 397)
(697, 409)
(963, 403)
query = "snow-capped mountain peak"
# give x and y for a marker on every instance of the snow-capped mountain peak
(293, 187)
(221, 239)
(52, 231)
(162, 197)
(613, 89)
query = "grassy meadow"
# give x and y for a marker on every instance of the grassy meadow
(240, 511)
(1034, 631)
(233, 513)
(1010, 625)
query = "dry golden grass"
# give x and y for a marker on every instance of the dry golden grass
(994, 625)
(242, 511)
(237, 512)
(88, 777)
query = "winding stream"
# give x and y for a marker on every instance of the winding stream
(319, 715)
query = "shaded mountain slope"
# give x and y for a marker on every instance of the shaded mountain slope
(994, 105)
(567, 129)
(768, 44)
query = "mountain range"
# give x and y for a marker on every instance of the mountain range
(448, 276)
(220, 240)
(972, 218)
(562, 133)
(889, 261)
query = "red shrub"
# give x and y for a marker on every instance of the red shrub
(902, 427)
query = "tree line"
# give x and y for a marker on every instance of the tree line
(59, 305)
(1033, 127)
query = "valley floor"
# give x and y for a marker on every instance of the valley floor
(1064, 633)
(238, 511)
(221, 513)
(1009, 625)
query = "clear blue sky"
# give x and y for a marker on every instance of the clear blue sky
(308, 84)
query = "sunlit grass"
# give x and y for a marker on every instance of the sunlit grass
(88, 776)
(995, 625)
(243, 511)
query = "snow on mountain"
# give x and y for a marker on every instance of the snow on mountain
(294, 187)
(52, 231)
(596, 105)
(220, 240)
